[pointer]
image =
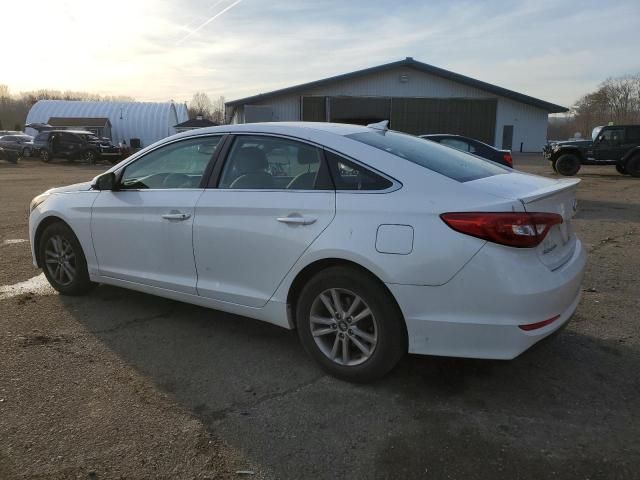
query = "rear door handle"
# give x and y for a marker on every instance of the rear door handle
(176, 216)
(297, 220)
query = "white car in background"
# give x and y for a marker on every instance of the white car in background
(372, 243)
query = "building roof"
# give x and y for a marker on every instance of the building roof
(196, 123)
(78, 121)
(411, 63)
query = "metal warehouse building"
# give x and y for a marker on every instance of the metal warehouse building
(146, 121)
(416, 98)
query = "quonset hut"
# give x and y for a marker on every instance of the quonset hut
(146, 121)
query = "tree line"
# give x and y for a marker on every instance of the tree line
(15, 107)
(616, 100)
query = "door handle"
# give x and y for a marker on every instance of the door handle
(176, 216)
(297, 220)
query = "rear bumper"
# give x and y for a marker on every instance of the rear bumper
(477, 313)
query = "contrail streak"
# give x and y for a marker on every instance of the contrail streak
(193, 22)
(208, 22)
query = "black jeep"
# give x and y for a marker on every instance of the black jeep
(617, 145)
(74, 145)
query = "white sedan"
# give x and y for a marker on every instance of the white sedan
(371, 243)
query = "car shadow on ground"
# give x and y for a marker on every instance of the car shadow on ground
(607, 210)
(567, 407)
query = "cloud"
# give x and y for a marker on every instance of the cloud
(162, 49)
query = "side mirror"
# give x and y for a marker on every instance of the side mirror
(106, 181)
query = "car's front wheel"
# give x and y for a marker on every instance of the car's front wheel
(348, 322)
(568, 164)
(63, 260)
(45, 156)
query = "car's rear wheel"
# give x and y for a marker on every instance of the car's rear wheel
(632, 166)
(567, 164)
(63, 260)
(348, 322)
(621, 170)
(45, 156)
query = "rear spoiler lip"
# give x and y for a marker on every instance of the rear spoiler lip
(562, 185)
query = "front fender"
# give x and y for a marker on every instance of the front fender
(73, 208)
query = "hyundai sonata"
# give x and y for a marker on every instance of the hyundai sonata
(371, 243)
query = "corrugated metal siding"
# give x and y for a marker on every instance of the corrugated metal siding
(147, 121)
(530, 123)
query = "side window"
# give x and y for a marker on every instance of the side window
(455, 143)
(42, 137)
(269, 163)
(612, 136)
(351, 176)
(177, 165)
(633, 135)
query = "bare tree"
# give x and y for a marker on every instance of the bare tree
(200, 104)
(217, 113)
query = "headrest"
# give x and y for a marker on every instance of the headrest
(307, 155)
(251, 159)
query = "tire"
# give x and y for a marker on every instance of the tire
(621, 170)
(63, 261)
(567, 164)
(90, 157)
(632, 166)
(45, 156)
(381, 333)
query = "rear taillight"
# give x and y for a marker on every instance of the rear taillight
(508, 159)
(515, 229)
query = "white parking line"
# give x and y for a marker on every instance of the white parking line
(37, 285)
(13, 241)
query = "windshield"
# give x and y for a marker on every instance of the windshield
(446, 161)
(595, 133)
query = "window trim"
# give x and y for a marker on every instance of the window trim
(216, 176)
(205, 175)
(395, 184)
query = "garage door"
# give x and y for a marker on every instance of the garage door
(314, 109)
(359, 110)
(470, 117)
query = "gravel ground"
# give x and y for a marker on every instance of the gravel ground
(120, 384)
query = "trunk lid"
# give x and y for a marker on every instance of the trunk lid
(539, 194)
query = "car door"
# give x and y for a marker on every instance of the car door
(271, 199)
(142, 232)
(610, 144)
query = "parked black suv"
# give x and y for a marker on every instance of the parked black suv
(74, 145)
(617, 145)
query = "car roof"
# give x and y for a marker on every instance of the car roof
(62, 130)
(292, 128)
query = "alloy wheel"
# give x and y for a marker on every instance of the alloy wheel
(60, 260)
(343, 327)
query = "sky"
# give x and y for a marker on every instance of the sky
(159, 50)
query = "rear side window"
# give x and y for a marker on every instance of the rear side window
(633, 134)
(350, 176)
(446, 161)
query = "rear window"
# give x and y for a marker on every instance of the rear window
(446, 161)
